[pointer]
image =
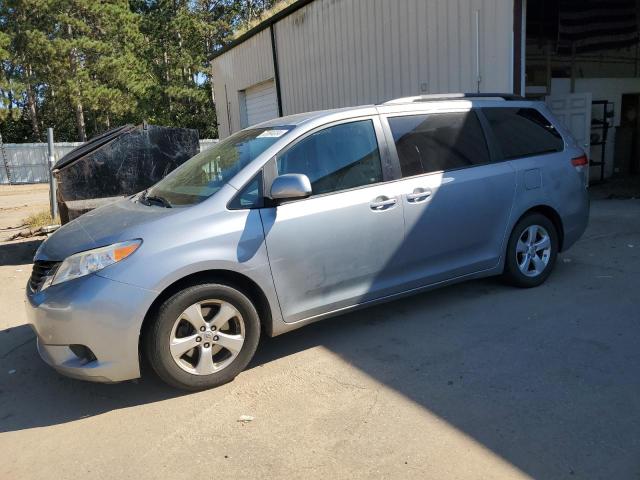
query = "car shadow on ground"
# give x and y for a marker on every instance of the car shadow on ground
(546, 386)
(19, 252)
(34, 395)
(546, 378)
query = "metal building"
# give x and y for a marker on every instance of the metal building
(582, 58)
(323, 54)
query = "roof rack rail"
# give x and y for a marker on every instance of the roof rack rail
(454, 96)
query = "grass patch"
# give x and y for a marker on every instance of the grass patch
(40, 219)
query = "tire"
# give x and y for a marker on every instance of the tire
(519, 272)
(220, 351)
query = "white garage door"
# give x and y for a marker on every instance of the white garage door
(261, 102)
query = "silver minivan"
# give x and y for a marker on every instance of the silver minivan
(302, 218)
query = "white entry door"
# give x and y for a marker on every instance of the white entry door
(261, 103)
(574, 110)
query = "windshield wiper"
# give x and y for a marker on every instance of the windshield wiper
(161, 200)
(148, 199)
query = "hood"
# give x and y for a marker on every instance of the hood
(116, 222)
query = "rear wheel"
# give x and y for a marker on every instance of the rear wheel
(531, 251)
(203, 336)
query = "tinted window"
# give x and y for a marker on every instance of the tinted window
(522, 132)
(336, 158)
(435, 142)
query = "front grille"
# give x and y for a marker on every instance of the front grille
(41, 270)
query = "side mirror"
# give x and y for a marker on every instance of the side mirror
(290, 186)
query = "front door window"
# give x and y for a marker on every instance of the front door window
(337, 158)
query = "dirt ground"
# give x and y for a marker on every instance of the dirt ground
(17, 202)
(477, 380)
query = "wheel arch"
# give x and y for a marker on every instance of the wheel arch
(553, 215)
(227, 277)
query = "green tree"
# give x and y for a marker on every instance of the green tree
(95, 63)
(83, 66)
(182, 35)
(24, 23)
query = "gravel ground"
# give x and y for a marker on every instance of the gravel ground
(477, 380)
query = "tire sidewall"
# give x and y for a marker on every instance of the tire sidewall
(157, 345)
(512, 271)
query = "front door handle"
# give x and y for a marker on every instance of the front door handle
(419, 195)
(383, 203)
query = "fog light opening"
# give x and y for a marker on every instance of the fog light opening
(83, 352)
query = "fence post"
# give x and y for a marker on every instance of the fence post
(53, 203)
(4, 160)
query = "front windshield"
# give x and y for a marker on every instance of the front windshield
(207, 172)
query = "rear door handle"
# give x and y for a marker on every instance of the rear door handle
(419, 195)
(383, 203)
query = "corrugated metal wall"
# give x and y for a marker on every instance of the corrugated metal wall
(249, 64)
(335, 53)
(28, 162)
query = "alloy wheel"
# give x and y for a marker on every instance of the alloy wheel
(207, 337)
(533, 250)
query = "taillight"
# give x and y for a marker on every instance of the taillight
(580, 161)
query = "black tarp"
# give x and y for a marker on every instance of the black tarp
(120, 162)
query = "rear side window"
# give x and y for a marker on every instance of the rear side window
(522, 132)
(435, 142)
(337, 158)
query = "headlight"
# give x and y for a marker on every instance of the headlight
(84, 263)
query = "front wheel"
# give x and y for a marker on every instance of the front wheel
(203, 336)
(531, 251)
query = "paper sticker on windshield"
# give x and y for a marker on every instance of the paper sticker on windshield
(272, 133)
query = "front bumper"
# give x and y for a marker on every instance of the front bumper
(101, 314)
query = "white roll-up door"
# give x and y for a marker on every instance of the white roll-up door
(261, 102)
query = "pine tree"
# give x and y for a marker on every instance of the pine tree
(96, 64)
(83, 66)
(23, 23)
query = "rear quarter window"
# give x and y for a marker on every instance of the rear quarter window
(523, 132)
(438, 142)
